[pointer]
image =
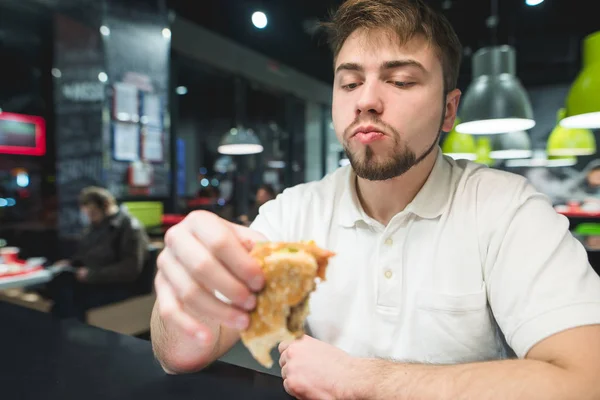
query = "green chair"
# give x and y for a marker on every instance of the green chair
(149, 213)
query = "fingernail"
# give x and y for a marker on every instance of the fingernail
(257, 283)
(241, 322)
(250, 303)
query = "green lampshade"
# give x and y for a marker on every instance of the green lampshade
(583, 101)
(483, 151)
(459, 145)
(570, 141)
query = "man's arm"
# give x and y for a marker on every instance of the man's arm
(564, 366)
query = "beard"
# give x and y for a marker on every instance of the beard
(369, 167)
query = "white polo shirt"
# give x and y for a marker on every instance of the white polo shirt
(477, 249)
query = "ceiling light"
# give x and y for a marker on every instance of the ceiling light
(511, 145)
(166, 32)
(495, 102)
(565, 141)
(181, 90)
(240, 141)
(102, 77)
(583, 101)
(533, 2)
(105, 30)
(259, 19)
(541, 159)
(459, 146)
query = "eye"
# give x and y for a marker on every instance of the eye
(402, 85)
(350, 86)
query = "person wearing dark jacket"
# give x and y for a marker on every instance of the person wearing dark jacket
(110, 255)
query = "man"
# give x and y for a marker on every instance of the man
(264, 194)
(443, 268)
(110, 255)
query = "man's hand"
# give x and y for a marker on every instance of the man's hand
(204, 254)
(312, 369)
(81, 274)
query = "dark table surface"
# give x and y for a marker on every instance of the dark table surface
(41, 358)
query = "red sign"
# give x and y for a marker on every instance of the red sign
(22, 134)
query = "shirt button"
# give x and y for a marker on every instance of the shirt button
(388, 274)
(389, 242)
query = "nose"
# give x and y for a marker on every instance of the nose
(369, 101)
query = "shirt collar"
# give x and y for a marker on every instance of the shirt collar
(430, 202)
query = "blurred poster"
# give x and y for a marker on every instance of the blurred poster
(152, 111)
(126, 142)
(126, 103)
(153, 144)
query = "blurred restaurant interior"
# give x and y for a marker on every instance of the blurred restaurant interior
(175, 106)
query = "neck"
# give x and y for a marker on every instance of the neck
(381, 200)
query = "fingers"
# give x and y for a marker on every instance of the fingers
(171, 312)
(284, 345)
(195, 300)
(224, 243)
(204, 269)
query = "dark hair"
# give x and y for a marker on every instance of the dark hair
(406, 19)
(96, 196)
(269, 189)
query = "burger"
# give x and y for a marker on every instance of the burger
(292, 271)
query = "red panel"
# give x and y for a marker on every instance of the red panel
(40, 135)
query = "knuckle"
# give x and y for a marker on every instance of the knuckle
(166, 311)
(189, 293)
(294, 385)
(171, 234)
(163, 259)
(201, 267)
(220, 243)
(198, 216)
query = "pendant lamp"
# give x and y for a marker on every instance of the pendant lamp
(583, 100)
(495, 102)
(459, 145)
(570, 141)
(511, 145)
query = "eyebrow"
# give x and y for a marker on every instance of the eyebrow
(387, 65)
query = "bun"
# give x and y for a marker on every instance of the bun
(290, 271)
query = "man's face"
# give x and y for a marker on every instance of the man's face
(594, 178)
(388, 102)
(262, 196)
(94, 213)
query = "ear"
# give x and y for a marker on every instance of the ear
(452, 101)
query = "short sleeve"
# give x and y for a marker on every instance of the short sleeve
(538, 276)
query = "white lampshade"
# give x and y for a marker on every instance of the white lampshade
(240, 141)
(495, 102)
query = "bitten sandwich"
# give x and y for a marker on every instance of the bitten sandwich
(290, 271)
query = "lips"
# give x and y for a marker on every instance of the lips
(367, 134)
(368, 137)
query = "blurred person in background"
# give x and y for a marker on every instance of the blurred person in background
(264, 194)
(109, 257)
